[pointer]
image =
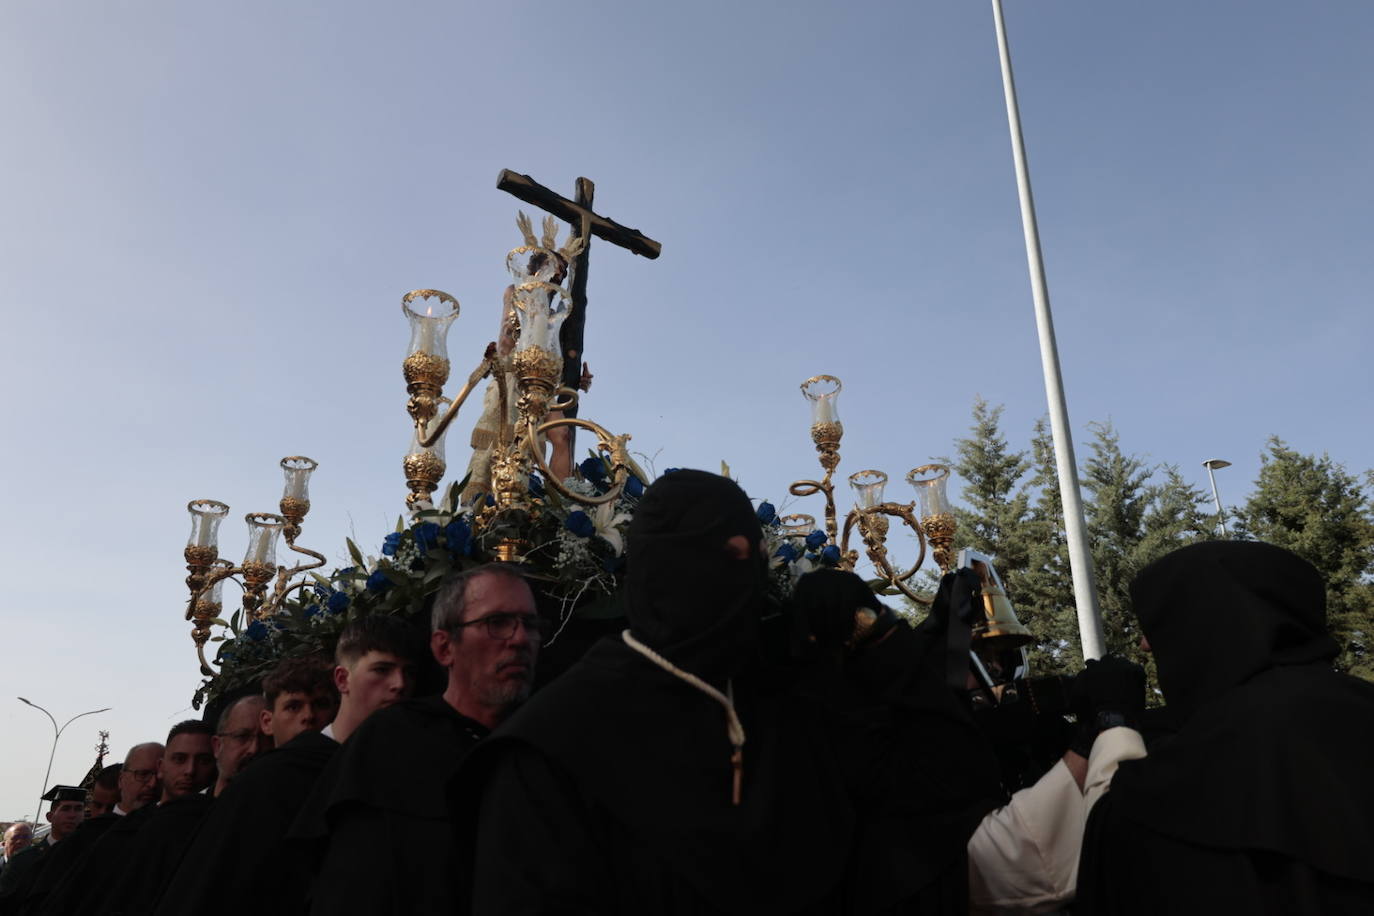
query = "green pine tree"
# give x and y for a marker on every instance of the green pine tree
(992, 520)
(1044, 598)
(1315, 508)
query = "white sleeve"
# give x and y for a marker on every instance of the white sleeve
(1024, 857)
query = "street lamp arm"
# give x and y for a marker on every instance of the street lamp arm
(55, 729)
(77, 716)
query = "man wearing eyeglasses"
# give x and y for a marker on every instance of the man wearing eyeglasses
(386, 843)
(238, 738)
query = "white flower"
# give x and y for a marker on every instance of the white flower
(608, 521)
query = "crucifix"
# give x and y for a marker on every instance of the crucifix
(585, 223)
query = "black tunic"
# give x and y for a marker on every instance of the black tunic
(377, 826)
(242, 843)
(83, 888)
(1262, 802)
(58, 861)
(156, 851)
(19, 874)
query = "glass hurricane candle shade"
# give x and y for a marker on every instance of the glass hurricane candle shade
(797, 526)
(930, 482)
(823, 391)
(541, 309)
(206, 514)
(209, 603)
(868, 485)
(263, 530)
(430, 313)
(297, 469)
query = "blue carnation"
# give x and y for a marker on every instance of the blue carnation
(579, 524)
(346, 571)
(816, 539)
(634, 486)
(536, 486)
(788, 553)
(311, 610)
(338, 603)
(378, 582)
(458, 536)
(257, 631)
(426, 536)
(767, 514)
(321, 591)
(594, 469)
(830, 556)
(390, 543)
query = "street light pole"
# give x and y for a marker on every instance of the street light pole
(1212, 464)
(57, 733)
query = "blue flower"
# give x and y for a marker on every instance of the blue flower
(378, 581)
(830, 556)
(536, 485)
(391, 542)
(491, 500)
(426, 536)
(579, 524)
(816, 539)
(257, 631)
(338, 603)
(767, 514)
(311, 610)
(594, 469)
(788, 553)
(321, 591)
(634, 487)
(669, 471)
(279, 624)
(458, 536)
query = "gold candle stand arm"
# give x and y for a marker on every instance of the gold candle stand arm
(873, 527)
(488, 366)
(812, 487)
(622, 465)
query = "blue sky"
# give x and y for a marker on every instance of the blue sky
(209, 215)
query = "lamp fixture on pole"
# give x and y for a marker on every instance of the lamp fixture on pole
(1213, 464)
(57, 733)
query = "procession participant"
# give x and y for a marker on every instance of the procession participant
(299, 697)
(18, 836)
(661, 773)
(378, 823)
(246, 832)
(1261, 802)
(238, 738)
(138, 786)
(67, 808)
(104, 794)
(105, 877)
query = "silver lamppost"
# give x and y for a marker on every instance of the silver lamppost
(57, 733)
(1213, 464)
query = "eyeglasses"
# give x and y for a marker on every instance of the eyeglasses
(141, 775)
(244, 735)
(502, 626)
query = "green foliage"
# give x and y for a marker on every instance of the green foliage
(1320, 511)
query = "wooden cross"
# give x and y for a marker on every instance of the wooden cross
(586, 223)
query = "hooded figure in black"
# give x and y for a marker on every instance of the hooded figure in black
(1264, 800)
(613, 791)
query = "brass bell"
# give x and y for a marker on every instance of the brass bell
(999, 629)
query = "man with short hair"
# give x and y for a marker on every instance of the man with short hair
(104, 794)
(246, 834)
(300, 697)
(66, 809)
(238, 738)
(18, 836)
(378, 820)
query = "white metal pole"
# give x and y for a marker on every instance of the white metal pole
(1216, 498)
(1080, 559)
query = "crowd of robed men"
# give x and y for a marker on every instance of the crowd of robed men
(724, 755)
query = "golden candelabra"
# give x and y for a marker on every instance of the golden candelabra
(929, 516)
(525, 365)
(208, 571)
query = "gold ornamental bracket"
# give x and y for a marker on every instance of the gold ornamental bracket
(823, 391)
(871, 516)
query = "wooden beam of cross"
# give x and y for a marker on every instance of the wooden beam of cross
(586, 223)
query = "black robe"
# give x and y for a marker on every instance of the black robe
(240, 860)
(57, 862)
(377, 828)
(156, 851)
(1262, 802)
(19, 874)
(83, 888)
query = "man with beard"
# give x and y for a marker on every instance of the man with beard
(238, 738)
(662, 773)
(138, 788)
(378, 823)
(246, 834)
(146, 844)
(1261, 802)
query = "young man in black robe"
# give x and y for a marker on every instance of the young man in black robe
(240, 843)
(661, 774)
(105, 878)
(1263, 801)
(377, 821)
(139, 788)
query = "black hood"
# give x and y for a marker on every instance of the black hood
(1220, 612)
(686, 596)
